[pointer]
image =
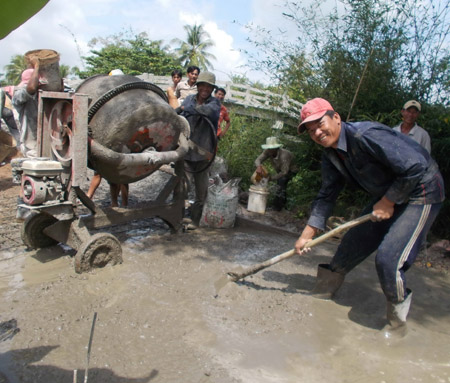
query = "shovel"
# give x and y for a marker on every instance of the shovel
(235, 276)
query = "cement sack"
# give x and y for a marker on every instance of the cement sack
(221, 204)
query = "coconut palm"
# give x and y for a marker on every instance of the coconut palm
(14, 69)
(194, 50)
(64, 70)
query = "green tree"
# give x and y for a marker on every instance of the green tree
(367, 48)
(359, 60)
(133, 56)
(242, 145)
(14, 69)
(194, 51)
(239, 79)
(64, 70)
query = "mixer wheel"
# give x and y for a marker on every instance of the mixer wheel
(98, 251)
(33, 230)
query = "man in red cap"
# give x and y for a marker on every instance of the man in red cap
(407, 190)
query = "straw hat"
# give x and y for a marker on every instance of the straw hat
(271, 143)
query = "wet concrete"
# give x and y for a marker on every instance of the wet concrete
(264, 329)
(339, 340)
(161, 318)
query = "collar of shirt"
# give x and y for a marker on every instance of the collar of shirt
(189, 86)
(342, 141)
(413, 128)
(398, 128)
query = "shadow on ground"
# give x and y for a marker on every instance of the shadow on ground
(45, 373)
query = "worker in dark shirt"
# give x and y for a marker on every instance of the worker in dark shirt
(202, 112)
(407, 190)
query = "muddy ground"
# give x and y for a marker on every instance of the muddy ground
(162, 317)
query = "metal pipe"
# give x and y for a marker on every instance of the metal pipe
(147, 157)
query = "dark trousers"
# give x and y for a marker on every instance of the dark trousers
(397, 242)
(197, 173)
(281, 197)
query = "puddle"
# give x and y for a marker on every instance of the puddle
(325, 346)
(10, 279)
(33, 267)
(46, 265)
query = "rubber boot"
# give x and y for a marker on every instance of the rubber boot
(396, 314)
(327, 282)
(196, 213)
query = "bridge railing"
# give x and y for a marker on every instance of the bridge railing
(243, 95)
(248, 96)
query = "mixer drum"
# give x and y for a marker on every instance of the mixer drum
(128, 115)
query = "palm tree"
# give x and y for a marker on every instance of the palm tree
(64, 70)
(194, 50)
(14, 69)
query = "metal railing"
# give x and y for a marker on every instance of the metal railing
(243, 95)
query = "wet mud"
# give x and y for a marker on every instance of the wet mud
(163, 315)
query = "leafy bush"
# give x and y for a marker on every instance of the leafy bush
(435, 119)
(242, 145)
(301, 191)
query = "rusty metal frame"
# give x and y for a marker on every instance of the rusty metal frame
(71, 229)
(80, 102)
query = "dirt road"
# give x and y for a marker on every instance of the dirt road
(161, 318)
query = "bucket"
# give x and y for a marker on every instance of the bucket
(49, 75)
(7, 145)
(257, 199)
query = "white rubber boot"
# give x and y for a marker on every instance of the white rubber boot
(396, 314)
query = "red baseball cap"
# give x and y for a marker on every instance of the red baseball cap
(313, 110)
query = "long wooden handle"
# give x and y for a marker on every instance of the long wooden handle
(235, 276)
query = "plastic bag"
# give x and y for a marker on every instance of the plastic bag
(221, 204)
(219, 166)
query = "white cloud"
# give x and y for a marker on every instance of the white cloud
(68, 26)
(229, 61)
(190, 18)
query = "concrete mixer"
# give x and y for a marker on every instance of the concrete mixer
(123, 128)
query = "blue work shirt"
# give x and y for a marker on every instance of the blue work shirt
(203, 133)
(381, 161)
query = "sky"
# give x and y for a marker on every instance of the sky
(68, 26)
